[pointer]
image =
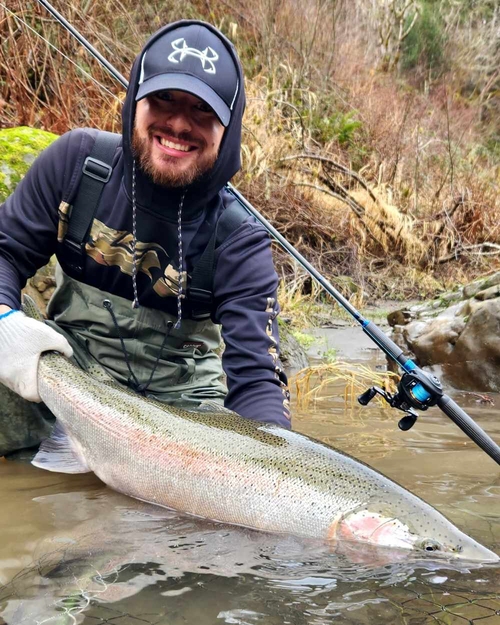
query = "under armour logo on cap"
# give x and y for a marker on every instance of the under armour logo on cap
(206, 56)
(192, 58)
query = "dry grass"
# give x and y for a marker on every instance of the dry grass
(311, 384)
(39, 86)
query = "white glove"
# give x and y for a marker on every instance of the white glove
(22, 341)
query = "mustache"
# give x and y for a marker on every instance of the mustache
(183, 136)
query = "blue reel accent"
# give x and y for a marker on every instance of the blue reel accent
(409, 365)
(420, 394)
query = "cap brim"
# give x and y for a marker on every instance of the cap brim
(190, 84)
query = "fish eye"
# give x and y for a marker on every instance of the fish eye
(431, 545)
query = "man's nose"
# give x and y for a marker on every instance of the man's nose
(179, 119)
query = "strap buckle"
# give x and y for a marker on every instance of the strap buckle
(97, 169)
(201, 296)
(201, 303)
(74, 251)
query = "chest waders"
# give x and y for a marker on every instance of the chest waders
(187, 369)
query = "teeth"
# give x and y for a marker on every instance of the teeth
(176, 146)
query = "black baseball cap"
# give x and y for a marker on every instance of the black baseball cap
(194, 59)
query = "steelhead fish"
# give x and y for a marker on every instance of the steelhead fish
(222, 467)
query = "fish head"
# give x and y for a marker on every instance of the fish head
(414, 525)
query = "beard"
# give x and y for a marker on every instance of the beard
(142, 150)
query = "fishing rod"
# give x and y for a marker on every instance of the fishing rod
(85, 43)
(417, 389)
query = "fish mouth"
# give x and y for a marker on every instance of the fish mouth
(469, 549)
(475, 554)
(479, 553)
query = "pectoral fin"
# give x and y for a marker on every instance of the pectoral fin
(61, 454)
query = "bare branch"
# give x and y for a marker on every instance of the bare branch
(479, 250)
(334, 165)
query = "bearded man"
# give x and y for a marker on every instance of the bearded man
(129, 298)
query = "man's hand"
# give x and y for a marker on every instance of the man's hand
(22, 341)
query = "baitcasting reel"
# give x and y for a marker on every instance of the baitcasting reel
(416, 389)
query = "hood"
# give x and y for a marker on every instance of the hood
(197, 195)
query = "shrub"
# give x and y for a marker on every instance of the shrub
(424, 47)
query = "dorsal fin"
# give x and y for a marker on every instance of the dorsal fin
(30, 309)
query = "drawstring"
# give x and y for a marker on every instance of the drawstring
(133, 381)
(180, 290)
(135, 303)
(180, 293)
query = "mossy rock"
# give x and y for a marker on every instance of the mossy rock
(292, 354)
(18, 149)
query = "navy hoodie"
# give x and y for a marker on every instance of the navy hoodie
(33, 222)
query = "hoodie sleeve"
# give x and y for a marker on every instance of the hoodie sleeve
(29, 217)
(245, 287)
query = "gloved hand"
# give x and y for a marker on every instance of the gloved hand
(22, 341)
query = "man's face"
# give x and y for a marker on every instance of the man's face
(176, 137)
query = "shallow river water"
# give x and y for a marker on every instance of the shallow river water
(73, 551)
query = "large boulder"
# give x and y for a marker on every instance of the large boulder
(462, 338)
(18, 149)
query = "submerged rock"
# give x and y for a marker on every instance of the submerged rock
(463, 338)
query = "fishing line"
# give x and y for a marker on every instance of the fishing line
(85, 73)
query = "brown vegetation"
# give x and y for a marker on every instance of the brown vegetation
(314, 383)
(371, 133)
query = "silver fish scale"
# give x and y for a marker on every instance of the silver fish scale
(221, 466)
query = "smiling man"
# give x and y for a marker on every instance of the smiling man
(154, 257)
(176, 153)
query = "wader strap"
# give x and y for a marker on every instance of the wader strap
(96, 173)
(200, 291)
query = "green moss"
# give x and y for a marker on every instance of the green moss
(18, 149)
(330, 355)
